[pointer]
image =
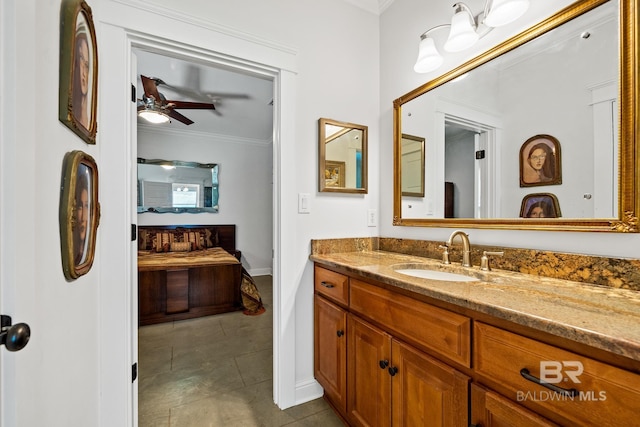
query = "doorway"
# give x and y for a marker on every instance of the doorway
(194, 143)
(470, 151)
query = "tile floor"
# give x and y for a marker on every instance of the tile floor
(216, 371)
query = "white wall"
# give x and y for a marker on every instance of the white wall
(76, 369)
(246, 187)
(400, 27)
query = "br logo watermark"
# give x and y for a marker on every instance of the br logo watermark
(560, 378)
(553, 372)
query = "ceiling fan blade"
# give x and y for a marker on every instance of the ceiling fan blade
(150, 88)
(188, 105)
(179, 117)
(225, 95)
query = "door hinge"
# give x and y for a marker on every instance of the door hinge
(134, 372)
(134, 232)
(133, 93)
(480, 154)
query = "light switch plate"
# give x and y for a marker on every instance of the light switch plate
(304, 203)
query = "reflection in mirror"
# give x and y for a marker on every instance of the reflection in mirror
(559, 78)
(412, 166)
(342, 157)
(177, 187)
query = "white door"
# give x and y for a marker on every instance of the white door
(76, 369)
(16, 273)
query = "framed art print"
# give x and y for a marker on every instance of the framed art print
(334, 173)
(79, 213)
(78, 70)
(540, 161)
(540, 205)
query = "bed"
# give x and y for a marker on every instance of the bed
(187, 271)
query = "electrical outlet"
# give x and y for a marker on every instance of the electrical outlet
(372, 218)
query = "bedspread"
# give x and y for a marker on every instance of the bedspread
(148, 260)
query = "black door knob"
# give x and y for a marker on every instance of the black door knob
(14, 337)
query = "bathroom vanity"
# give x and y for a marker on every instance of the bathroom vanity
(501, 349)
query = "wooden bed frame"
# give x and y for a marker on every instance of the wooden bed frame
(178, 292)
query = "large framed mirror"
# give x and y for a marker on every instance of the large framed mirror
(568, 83)
(177, 186)
(342, 157)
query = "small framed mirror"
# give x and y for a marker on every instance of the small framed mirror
(342, 157)
(177, 187)
(412, 166)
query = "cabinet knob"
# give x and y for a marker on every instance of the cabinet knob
(393, 371)
(383, 364)
(340, 333)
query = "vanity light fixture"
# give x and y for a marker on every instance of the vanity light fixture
(466, 29)
(463, 33)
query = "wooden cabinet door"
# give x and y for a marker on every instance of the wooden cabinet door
(152, 295)
(177, 291)
(489, 409)
(426, 392)
(369, 381)
(330, 355)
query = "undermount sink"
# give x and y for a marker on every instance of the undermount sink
(427, 273)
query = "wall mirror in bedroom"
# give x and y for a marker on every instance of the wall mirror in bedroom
(342, 149)
(177, 186)
(564, 90)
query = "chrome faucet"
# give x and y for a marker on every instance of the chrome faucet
(466, 246)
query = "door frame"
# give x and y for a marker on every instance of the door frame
(284, 383)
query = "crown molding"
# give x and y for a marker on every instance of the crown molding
(384, 4)
(374, 6)
(213, 137)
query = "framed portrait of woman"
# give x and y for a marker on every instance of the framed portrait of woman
(540, 205)
(78, 70)
(540, 161)
(79, 213)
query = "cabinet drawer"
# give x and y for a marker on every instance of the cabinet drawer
(603, 394)
(332, 285)
(425, 326)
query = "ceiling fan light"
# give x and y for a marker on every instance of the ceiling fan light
(503, 12)
(463, 33)
(153, 116)
(429, 58)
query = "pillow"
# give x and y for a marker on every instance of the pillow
(194, 238)
(163, 242)
(145, 240)
(180, 246)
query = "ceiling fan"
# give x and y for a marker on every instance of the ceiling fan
(156, 108)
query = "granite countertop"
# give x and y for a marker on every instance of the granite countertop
(598, 316)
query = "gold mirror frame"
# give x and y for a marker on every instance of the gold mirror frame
(629, 127)
(339, 168)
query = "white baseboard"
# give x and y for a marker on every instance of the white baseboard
(307, 391)
(260, 272)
